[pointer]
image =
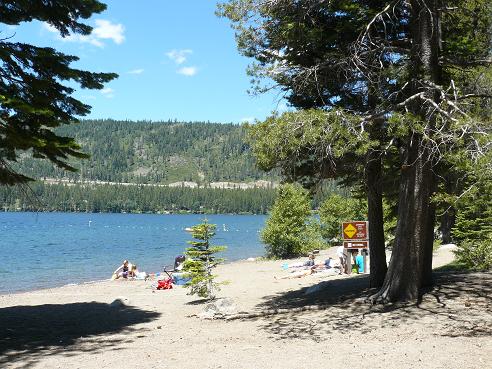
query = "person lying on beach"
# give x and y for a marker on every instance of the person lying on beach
(327, 264)
(309, 263)
(122, 271)
(321, 267)
(298, 273)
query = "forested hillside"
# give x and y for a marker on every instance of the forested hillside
(134, 199)
(150, 155)
(155, 152)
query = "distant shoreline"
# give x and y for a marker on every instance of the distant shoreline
(128, 212)
(105, 280)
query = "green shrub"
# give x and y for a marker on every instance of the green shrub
(290, 231)
(475, 254)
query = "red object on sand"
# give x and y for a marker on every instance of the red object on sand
(165, 284)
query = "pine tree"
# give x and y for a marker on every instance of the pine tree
(288, 231)
(201, 261)
(33, 98)
(473, 228)
(393, 68)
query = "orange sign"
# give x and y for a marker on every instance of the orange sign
(355, 244)
(355, 230)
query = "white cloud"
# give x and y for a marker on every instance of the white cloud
(108, 92)
(104, 30)
(187, 71)
(179, 56)
(136, 71)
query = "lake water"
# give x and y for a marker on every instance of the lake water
(40, 250)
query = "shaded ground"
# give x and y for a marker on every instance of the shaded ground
(459, 305)
(52, 329)
(76, 327)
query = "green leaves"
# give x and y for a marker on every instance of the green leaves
(61, 14)
(201, 260)
(311, 145)
(337, 209)
(33, 98)
(289, 231)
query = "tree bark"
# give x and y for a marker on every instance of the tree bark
(374, 186)
(447, 223)
(411, 261)
(427, 279)
(404, 277)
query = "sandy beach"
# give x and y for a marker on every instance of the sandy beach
(81, 326)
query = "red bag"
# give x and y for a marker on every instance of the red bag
(165, 284)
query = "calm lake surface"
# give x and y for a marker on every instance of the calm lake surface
(40, 250)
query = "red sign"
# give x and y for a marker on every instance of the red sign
(355, 244)
(355, 230)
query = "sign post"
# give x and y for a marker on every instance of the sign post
(355, 236)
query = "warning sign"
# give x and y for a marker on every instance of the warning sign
(355, 230)
(350, 230)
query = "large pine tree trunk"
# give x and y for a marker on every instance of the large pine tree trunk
(374, 186)
(411, 261)
(427, 279)
(404, 277)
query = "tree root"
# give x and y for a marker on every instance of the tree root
(379, 298)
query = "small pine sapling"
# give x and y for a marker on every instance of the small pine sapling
(201, 260)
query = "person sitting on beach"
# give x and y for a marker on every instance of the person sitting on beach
(122, 271)
(310, 261)
(132, 271)
(179, 262)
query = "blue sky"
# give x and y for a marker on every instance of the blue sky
(175, 58)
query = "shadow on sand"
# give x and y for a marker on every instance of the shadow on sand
(29, 332)
(458, 305)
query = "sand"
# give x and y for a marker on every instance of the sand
(83, 327)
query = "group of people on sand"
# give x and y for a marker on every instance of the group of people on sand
(356, 261)
(127, 270)
(310, 266)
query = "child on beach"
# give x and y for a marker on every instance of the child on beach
(122, 271)
(133, 271)
(355, 266)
